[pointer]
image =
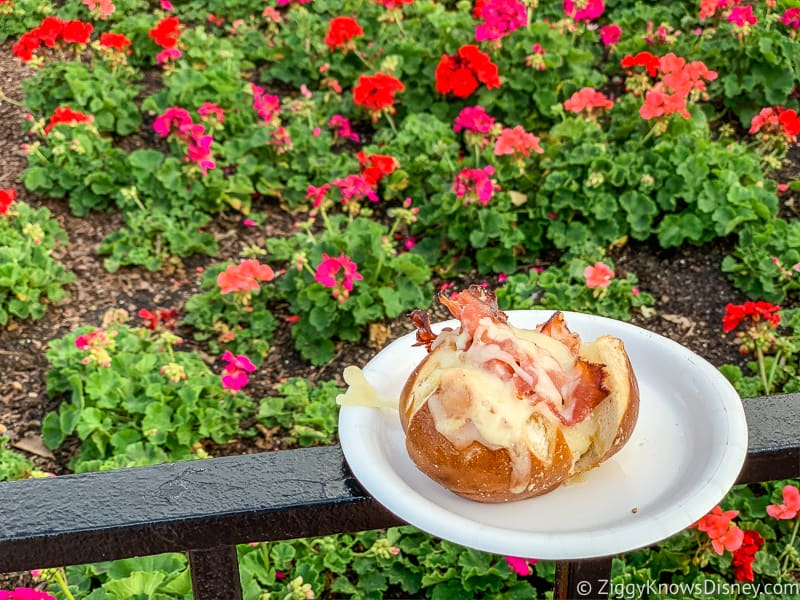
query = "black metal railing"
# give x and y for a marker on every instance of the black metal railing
(208, 507)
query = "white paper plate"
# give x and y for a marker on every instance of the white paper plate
(685, 453)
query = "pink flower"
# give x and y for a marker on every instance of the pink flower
(476, 184)
(174, 120)
(584, 10)
(249, 223)
(610, 34)
(317, 194)
(791, 18)
(209, 108)
(327, 272)
(790, 506)
(234, 376)
(474, 119)
(343, 128)
(244, 277)
(355, 187)
(521, 566)
(589, 100)
(266, 106)
(167, 55)
(25, 594)
(167, 5)
(723, 533)
(500, 17)
(742, 16)
(598, 276)
(516, 141)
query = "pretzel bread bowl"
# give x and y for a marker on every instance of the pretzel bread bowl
(495, 413)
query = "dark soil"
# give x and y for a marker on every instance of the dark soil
(689, 288)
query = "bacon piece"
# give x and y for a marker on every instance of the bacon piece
(556, 328)
(422, 321)
(473, 304)
(585, 390)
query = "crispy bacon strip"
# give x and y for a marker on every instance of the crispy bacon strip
(473, 304)
(422, 321)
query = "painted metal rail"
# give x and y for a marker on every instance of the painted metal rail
(208, 507)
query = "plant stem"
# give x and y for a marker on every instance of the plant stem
(391, 123)
(61, 579)
(773, 369)
(6, 99)
(762, 370)
(264, 554)
(785, 554)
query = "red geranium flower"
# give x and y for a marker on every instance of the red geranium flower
(752, 311)
(642, 59)
(744, 557)
(341, 32)
(76, 32)
(166, 32)
(461, 73)
(376, 92)
(375, 166)
(49, 31)
(27, 44)
(117, 41)
(6, 198)
(65, 115)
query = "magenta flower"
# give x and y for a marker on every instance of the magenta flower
(167, 55)
(355, 187)
(610, 34)
(327, 274)
(266, 106)
(791, 18)
(475, 184)
(584, 10)
(473, 119)
(343, 128)
(25, 594)
(174, 120)
(521, 566)
(742, 16)
(317, 194)
(500, 17)
(234, 376)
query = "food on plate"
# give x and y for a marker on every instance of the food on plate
(497, 413)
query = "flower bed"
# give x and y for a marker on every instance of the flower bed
(364, 155)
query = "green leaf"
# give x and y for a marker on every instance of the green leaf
(141, 585)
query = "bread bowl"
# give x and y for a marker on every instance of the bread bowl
(495, 413)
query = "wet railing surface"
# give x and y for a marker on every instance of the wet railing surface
(208, 507)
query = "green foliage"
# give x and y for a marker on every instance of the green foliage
(393, 283)
(12, 464)
(564, 288)
(19, 16)
(30, 278)
(781, 362)
(152, 236)
(372, 565)
(226, 322)
(159, 577)
(306, 414)
(763, 262)
(75, 161)
(132, 400)
(94, 89)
